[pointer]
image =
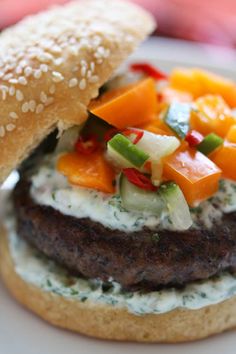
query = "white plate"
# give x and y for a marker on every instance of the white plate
(23, 333)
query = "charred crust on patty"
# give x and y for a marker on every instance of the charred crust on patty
(134, 259)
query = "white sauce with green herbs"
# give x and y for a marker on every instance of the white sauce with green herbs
(34, 268)
(51, 188)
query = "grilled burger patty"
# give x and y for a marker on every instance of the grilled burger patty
(143, 259)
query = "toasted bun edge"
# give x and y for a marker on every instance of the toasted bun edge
(114, 323)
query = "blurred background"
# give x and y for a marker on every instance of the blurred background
(211, 21)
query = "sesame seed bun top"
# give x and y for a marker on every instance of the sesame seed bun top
(52, 64)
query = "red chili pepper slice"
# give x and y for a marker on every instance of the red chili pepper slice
(194, 138)
(149, 70)
(160, 97)
(86, 145)
(138, 134)
(110, 133)
(139, 179)
(148, 166)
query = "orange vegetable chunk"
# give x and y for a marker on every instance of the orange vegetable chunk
(225, 158)
(211, 115)
(157, 126)
(91, 171)
(200, 82)
(231, 135)
(196, 175)
(128, 106)
(169, 94)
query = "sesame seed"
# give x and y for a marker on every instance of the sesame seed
(73, 50)
(89, 74)
(23, 63)
(13, 115)
(43, 97)
(32, 105)
(73, 82)
(19, 95)
(4, 90)
(58, 61)
(44, 68)
(7, 77)
(25, 107)
(47, 43)
(49, 101)
(2, 131)
(44, 57)
(22, 80)
(82, 84)
(52, 89)
(37, 74)
(57, 77)
(28, 71)
(56, 49)
(13, 81)
(83, 63)
(72, 40)
(83, 71)
(12, 91)
(39, 108)
(32, 55)
(10, 127)
(92, 66)
(99, 61)
(93, 79)
(19, 70)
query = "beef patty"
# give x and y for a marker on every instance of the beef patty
(143, 259)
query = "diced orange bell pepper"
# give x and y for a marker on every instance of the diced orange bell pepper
(157, 126)
(169, 94)
(225, 158)
(197, 176)
(211, 115)
(200, 82)
(128, 106)
(231, 135)
(90, 172)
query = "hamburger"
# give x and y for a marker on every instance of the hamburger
(122, 223)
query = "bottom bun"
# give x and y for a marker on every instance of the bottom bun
(109, 322)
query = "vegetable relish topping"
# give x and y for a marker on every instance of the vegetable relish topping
(165, 147)
(86, 145)
(138, 179)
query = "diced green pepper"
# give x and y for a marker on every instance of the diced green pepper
(177, 118)
(210, 143)
(127, 150)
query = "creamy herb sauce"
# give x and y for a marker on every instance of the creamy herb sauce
(51, 188)
(34, 268)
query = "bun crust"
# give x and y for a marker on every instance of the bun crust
(52, 64)
(107, 322)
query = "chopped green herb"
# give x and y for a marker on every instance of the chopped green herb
(155, 237)
(54, 195)
(74, 292)
(49, 284)
(106, 286)
(84, 298)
